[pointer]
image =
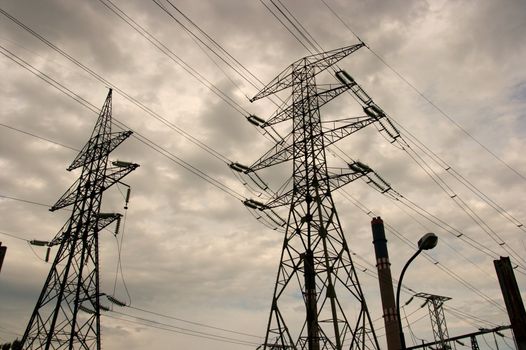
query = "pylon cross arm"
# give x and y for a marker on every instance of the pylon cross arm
(334, 135)
(68, 198)
(92, 150)
(346, 176)
(335, 179)
(116, 173)
(286, 112)
(279, 153)
(320, 61)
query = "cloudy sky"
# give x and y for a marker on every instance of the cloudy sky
(198, 267)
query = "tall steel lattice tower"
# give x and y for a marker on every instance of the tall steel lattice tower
(67, 313)
(315, 256)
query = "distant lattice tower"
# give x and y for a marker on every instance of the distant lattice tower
(67, 313)
(316, 263)
(474, 343)
(438, 320)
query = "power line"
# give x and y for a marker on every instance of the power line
(477, 219)
(13, 236)
(98, 77)
(175, 58)
(462, 204)
(434, 262)
(214, 43)
(473, 215)
(425, 98)
(194, 323)
(439, 181)
(39, 137)
(24, 200)
(141, 138)
(179, 330)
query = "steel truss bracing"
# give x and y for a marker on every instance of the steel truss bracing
(67, 313)
(435, 305)
(316, 263)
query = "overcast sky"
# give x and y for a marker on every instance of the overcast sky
(193, 252)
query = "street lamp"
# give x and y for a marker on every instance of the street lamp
(428, 241)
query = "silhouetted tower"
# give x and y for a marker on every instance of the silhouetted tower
(3, 250)
(315, 261)
(67, 313)
(435, 305)
(474, 343)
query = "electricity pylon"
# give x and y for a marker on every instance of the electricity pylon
(315, 256)
(435, 305)
(67, 313)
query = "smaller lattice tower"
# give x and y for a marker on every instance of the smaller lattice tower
(474, 343)
(435, 305)
(67, 313)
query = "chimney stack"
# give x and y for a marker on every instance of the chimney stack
(386, 285)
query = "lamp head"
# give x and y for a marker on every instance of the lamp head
(428, 241)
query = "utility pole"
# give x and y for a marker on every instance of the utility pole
(513, 300)
(67, 313)
(315, 257)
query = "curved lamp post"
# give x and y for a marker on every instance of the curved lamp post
(428, 241)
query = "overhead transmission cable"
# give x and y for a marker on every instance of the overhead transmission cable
(463, 205)
(13, 236)
(197, 333)
(98, 77)
(219, 51)
(428, 100)
(452, 247)
(39, 137)
(193, 72)
(120, 230)
(445, 269)
(286, 27)
(141, 138)
(175, 58)
(195, 323)
(474, 321)
(230, 61)
(79, 99)
(459, 177)
(442, 184)
(178, 330)
(24, 200)
(204, 40)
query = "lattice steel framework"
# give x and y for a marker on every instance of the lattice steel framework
(67, 313)
(435, 305)
(474, 343)
(315, 258)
